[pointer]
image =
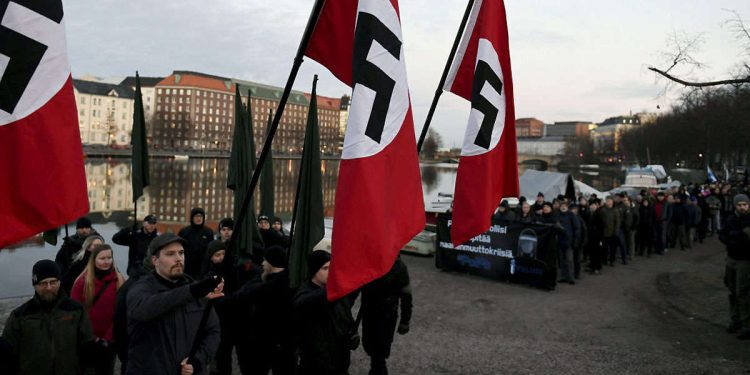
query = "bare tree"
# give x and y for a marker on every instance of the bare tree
(684, 46)
(432, 144)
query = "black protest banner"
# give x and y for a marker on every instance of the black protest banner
(512, 251)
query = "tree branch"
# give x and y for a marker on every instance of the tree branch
(700, 84)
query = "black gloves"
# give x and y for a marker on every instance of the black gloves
(200, 289)
(403, 328)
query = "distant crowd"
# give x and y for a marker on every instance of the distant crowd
(189, 302)
(593, 232)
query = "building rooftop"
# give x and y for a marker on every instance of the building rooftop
(103, 89)
(325, 102)
(259, 90)
(200, 80)
(145, 81)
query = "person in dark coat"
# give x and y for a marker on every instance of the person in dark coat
(504, 213)
(539, 203)
(681, 220)
(610, 220)
(226, 228)
(380, 314)
(596, 249)
(579, 242)
(326, 329)
(278, 227)
(566, 239)
(735, 235)
(526, 215)
(72, 244)
(165, 309)
(219, 263)
(197, 235)
(645, 232)
(80, 260)
(266, 301)
(270, 236)
(120, 324)
(35, 330)
(137, 242)
(663, 212)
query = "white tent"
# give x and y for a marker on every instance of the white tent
(587, 190)
(551, 184)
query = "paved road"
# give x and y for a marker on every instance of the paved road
(663, 315)
(657, 315)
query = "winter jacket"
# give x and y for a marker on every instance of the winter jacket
(380, 309)
(663, 211)
(610, 220)
(735, 236)
(102, 312)
(680, 214)
(163, 321)
(582, 239)
(120, 325)
(137, 243)
(198, 237)
(49, 340)
(325, 330)
(69, 248)
(75, 270)
(571, 229)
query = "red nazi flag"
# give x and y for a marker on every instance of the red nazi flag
(488, 169)
(379, 202)
(43, 179)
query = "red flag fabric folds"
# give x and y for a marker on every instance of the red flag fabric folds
(379, 202)
(43, 178)
(488, 169)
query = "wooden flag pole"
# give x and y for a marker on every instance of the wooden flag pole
(439, 89)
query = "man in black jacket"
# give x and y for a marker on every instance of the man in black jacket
(137, 242)
(35, 331)
(165, 309)
(266, 301)
(72, 244)
(380, 303)
(197, 235)
(736, 236)
(326, 329)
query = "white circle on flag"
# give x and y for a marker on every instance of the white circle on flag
(356, 143)
(53, 70)
(486, 52)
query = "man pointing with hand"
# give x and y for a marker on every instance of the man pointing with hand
(164, 315)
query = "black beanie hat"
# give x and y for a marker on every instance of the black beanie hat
(215, 246)
(44, 269)
(315, 260)
(83, 222)
(226, 222)
(276, 256)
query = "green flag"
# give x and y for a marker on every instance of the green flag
(139, 171)
(50, 236)
(241, 164)
(266, 181)
(308, 229)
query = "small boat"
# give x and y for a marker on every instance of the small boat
(181, 157)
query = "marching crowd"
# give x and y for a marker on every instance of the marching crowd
(189, 302)
(594, 232)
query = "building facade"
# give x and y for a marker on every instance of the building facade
(148, 94)
(569, 129)
(606, 137)
(529, 128)
(194, 111)
(105, 113)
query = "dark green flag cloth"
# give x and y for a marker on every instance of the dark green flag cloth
(139, 171)
(266, 181)
(241, 164)
(50, 236)
(308, 229)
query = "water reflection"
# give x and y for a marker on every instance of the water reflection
(177, 186)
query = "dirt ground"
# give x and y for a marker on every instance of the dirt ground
(658, 315)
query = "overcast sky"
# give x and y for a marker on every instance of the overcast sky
(572, 60)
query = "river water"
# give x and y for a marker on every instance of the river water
(177, 186)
